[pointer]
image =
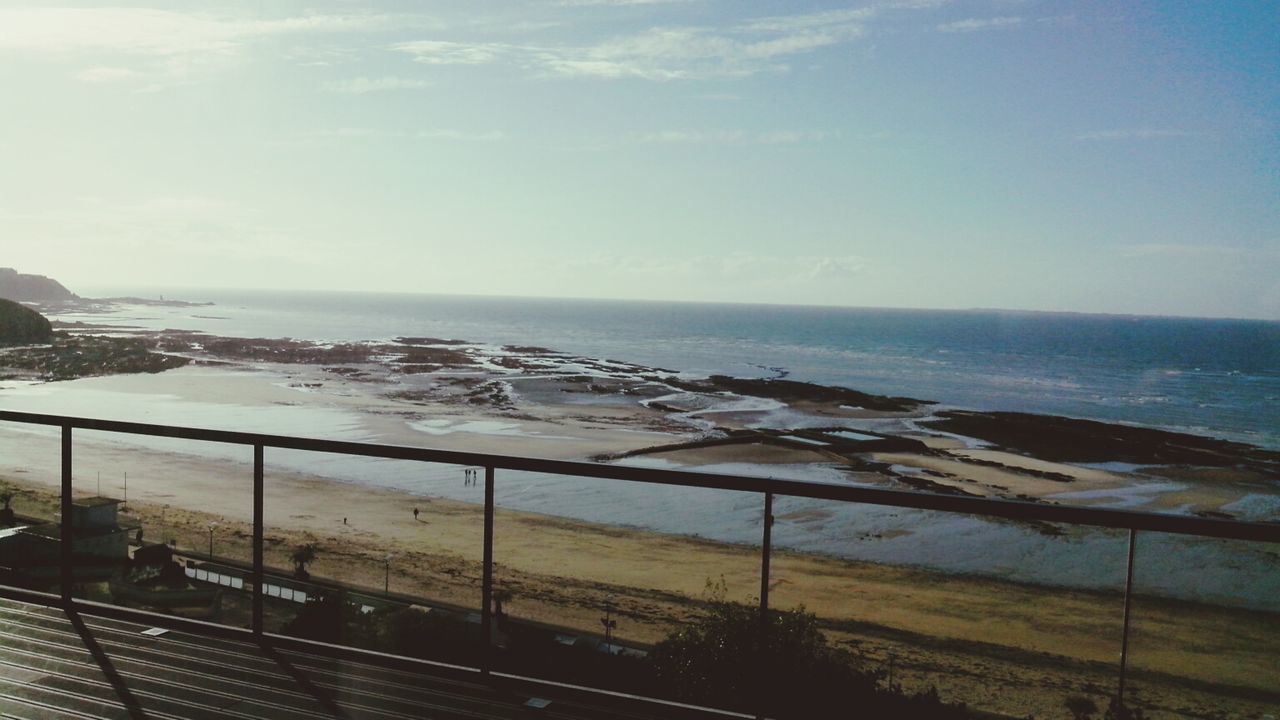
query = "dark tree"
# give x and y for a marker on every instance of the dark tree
(302, 555)
(721, 660)
(1081, 707)
(6, 514)
(330, 617)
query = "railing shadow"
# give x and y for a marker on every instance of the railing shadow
(118, 684)
(302, 681)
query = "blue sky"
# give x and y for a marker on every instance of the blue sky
(1083, 156)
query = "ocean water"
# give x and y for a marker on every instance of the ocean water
(1205, 376)
(1212, 377)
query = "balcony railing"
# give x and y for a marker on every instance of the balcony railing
(768, 490)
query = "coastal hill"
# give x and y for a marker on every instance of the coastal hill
(21, 325)
(32, 288)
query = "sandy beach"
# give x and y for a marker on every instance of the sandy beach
(1011, 647)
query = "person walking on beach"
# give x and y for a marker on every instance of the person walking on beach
(415, 513)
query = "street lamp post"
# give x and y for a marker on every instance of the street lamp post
(386, 580)
(212, 525)
(609, 626)
(893, 654)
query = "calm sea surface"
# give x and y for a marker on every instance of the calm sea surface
(1212, 377)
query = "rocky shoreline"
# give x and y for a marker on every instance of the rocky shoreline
(840, 426)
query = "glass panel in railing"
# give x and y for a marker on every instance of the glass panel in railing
(378, 554)
(598, 582)
(30, 491)
(917, 612)
(1204, 639)
(164, 525)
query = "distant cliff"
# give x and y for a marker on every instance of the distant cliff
(32, 288)
(21, 325)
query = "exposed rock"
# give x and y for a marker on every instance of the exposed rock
(20, 325)
(68, 358)
(157, 303)
(1061, 439)
(530, 350)
(32, 288)
(416, 355)
(428, 341)
(792, 391)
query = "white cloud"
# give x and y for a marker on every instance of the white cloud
(1134, 134)
(736, 137)
(835, 268)
(169, 47)
(160, 226)
(674, 52)
(444, 52)
(976, 24)
(786, 137)
(423, 134)
(825, 20)
(104, 74)
(146, 31)
(363, 85)
(752, 269)
(587, 3)
(444, 134)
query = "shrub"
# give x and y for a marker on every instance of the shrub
(722, 661)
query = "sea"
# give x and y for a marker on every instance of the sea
(1214, 377)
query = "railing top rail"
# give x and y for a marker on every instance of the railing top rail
(1009, 509)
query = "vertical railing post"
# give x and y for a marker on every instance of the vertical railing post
(766, 551)
(66, 554)
(1128, 600)
(258, 570)
(762, 640)
(486, 584)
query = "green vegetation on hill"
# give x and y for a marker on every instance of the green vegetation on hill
(21, 325)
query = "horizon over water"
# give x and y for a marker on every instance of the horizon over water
(193, 294)
(1218, 377)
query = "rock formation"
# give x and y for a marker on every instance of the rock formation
(32, 288)
(21, 325)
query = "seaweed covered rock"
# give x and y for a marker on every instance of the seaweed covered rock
(20, 325)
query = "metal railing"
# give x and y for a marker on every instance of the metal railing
(1132, 521)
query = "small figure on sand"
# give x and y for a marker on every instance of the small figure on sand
(415, 513)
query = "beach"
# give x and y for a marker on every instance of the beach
(994, 642)
(998, 645)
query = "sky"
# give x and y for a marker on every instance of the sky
(1023, 154)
